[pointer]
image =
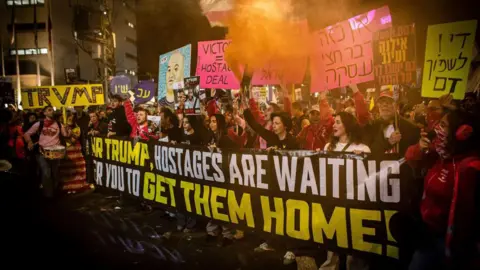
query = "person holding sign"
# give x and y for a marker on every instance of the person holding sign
(138, 123)
(390, 129)
(51, 134)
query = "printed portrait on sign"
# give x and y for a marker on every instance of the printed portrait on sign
(174, 67)
(192, 95)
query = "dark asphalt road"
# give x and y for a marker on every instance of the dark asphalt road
(85, 231)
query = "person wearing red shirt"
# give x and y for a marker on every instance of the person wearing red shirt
(138, 122)
(450, 206)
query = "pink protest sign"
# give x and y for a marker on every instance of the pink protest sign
(276, 74)
(343, 54)
(212, 68)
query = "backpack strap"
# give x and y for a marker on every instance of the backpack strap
(40, 127)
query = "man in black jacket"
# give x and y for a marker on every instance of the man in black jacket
(117, 121)
(385, 133)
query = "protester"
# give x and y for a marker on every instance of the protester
(96, 127)
(390, 129)
(298, 117)
(315, 135)
(118, 126)
(138, 123)
(450, 205)
(73, 173)
(170, 130)
(51, 134)
(346, 137)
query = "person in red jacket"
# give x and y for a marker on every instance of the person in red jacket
(138, 122)
(316, 135)
(450, 207)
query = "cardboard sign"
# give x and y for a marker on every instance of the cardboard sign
(260, 94)
(192, 95)
(174, 67)
(343, 52)
(212, 68)
(119, 85)
(144, 92)
(447, 59)
(63, 96)
(272, 75)
(394, 55)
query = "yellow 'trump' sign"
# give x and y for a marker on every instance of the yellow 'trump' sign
(447, 59)
(63, 95)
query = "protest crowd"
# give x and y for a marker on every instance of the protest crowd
(437, 138)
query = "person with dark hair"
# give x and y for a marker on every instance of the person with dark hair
(118, 125)
(298, 117)
(346, 137)
(73, 172)
(193, 131)
(138, 122)
(219, 137)
(96, 127)
(170, 126)
(279, 137)
(82, 120)
(450, 206)
(30, 119)
(391, 133)
(316, 135)
(51, 134)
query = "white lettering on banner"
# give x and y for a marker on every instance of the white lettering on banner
(205, 166)
(284, 173)
(235, 174)
(133, 181)
(98, 172)
(171, 158)
(218, 175)
(308, 178)
(248, 170)
(197, 164)
(335, 162)
(366, 181)
(179, 152)
(386, 168)
(188, 165)
(261, 171)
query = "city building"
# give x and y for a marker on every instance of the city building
(78, 41)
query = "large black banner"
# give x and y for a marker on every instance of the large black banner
(345, 202)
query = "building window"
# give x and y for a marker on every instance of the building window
(131, 72)
(27, 27)
(131, 40)
(129, 24)
(25, 2)
(131, 56)
(29, 51)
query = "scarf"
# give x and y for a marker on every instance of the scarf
(432, 119)
(440, 142)
(48, 122)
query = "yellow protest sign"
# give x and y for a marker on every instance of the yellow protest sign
(63, 95)
(447, 59)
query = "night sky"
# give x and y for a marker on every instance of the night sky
(169, 24)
